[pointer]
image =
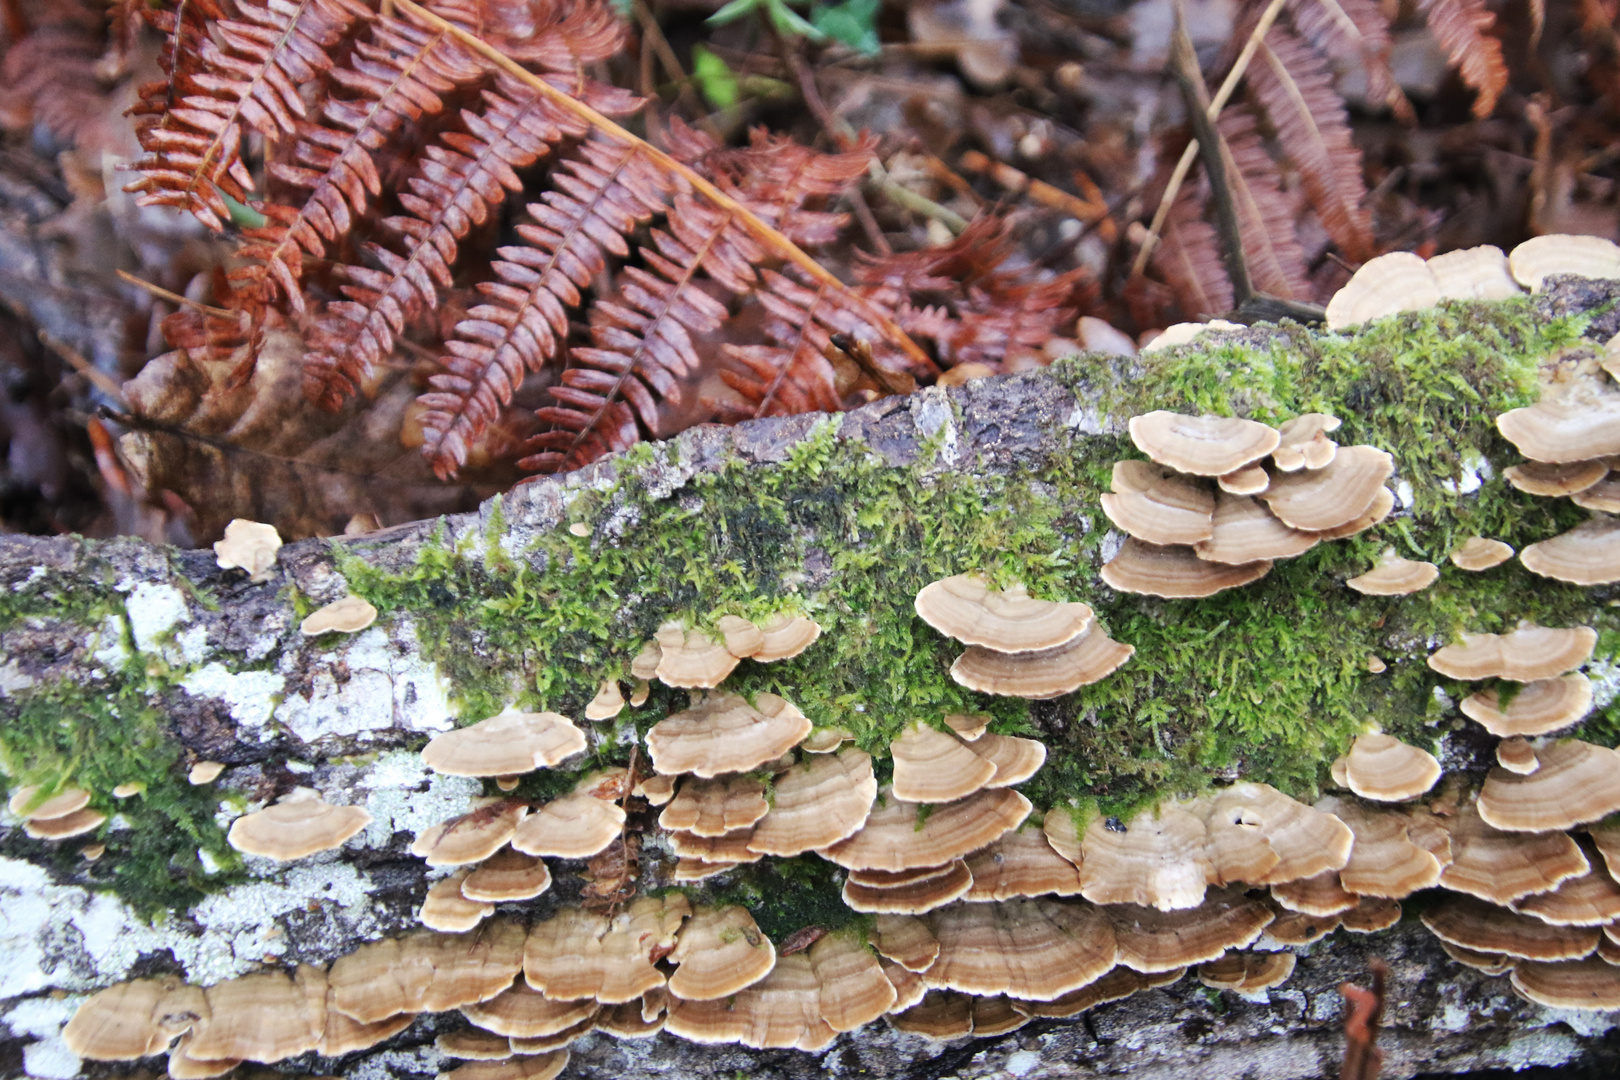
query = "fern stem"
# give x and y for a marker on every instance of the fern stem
(740, 213)
(1190, 154)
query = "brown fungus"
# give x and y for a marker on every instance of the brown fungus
(1591, 984)
(1245, 531)
(1542, 706)
(1395, 576)
(1034, 949)
(1575, 782)
(1524, 655)
(250, 546)
(1501, 867)
(1333, 496)
(347, 615)
(301, 824)
(1042, 674)
(575, 826)
(816, 803)
(579, 954)
(1478, 554)
(1541, 257)
(1382, 768)
(1150, 940)
(913, 897)
(720, 951)
(506, 744)
(1159, 505)
(933, 766)
(1202, 445)
(715, 807)
(967, 609)
(897, 837)
(724, 734)
(1474, 924)
(1387, 285)
(1175, 573)
(690, 658)
(1588, 554)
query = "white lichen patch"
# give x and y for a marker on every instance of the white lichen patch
(13, 679)
(932, 413)
(1605, 676)
(384, 684)
(1475, 471)
(154, 610)
(107, 645)
(43, 1018)
(404, 795)
(251, 696)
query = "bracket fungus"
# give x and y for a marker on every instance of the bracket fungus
(816, 803)
(896, 837)
(1574, 782)
(1540, 257)
(725, 734)
(1517, 756)
(1382, 768)
(932, 766)
(1384, 859)
(715, 807)
(1202, 445)
(1479, 554)
(1247, 972)
(783, 637)
(1149, 940)
(1387, 285)
(1334, 495)
(1157, 504)
(1539, 707)
(780, 1010)
(689, 658)
(1395, 576)
(579, 954)
(1551, 481)
(1500, 867)
(1476, 273)
(1045, 673)
(1020, 864)
(1525, 655)
(1588, 554)
(1304, 444)
(1249, 480)
(471, 837)
(1593, 899)
(65, 814)
(517, 1067)
(608, 702)
(1157, 859)
(1566, 428)
(509, 743)
(966, 608)
(520, 1012)
(248, 545)
(1033, 949)
(1591, 984)
(506, 876)
(267, 1016)
(1245, 532)
(426, 971)
(913, 895)
(1487, 928)
(1175, 573)
(1261, 836)
(447, 909)
(575, 826)
(301, 824)
(721, 950)
(134, 1019)
(347, 615)
(1321, 895)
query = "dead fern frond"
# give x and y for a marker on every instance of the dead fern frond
(1353, 28)
(1189, 257)
(1463, 29)
(1265, 214)
(1294, 87)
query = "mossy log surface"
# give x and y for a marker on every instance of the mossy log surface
(123, 663)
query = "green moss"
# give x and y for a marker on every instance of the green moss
(1269, 681)
(66, 734)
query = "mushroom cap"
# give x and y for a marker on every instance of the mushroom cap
(1384, 860)
(715, 807)
(575, 826)
(1392, 283)
(908, 985)
(1371, 915)
(893, 838)
(1501, 867)
(1588, 554)
(343, 1035)
(1298, 928)
(1479, 553)
(720, 951)
(1157, 504)
(1593, 899)
(1382, 504)
(1540, 707)
(964, 607)
(940, 1016)
(1474, 924)
(61, 804)
(184, 1067)
(1574, 782)
(123, 1022)
(1247, 972)
(1528, 654)
(1116, 985)
(730, 848)
(301, 824)
(204, 772)
(471, 837)
(1020, 863)
(1034, 949)
(644, 666)
(1245, 531)
(724, 734)
(1157, 859)
(824, 740)
(853, 988)
(994, 1016)
(608, 702)
(472, 1044)
(1249, 480)
(578, 954)
(785, 636)
(1150, 940)
(1590, 984)
(448, 910)
(521, 1013)
(250, 546)
(1202, 445)
(912, 897)
(743, 639)
(1603, 496)
(906, 940)
(1064, 828)
(1492, 964)
(691, 658)
(933, 766)
(780, 1010)
(1540, 257)
(698, 870)
(1383, 768)
(1517, 756)
(425, 971)
(1045, 673)
(77, 823)
(346, 615)
(1476, 273)
(1332, 496)
(1539, 478)
(1320, 895)
(657, 790)
(1565, 428)
(970, 726)
(518, 1067)
(890, 879)
(1395, 576)
(629, 1021)
(817, 803)
(507, 744)
(1302, 430)
(1183, 332)
(266, 1016)
(1175, 572)
(1015, 759)
(507, 875)
(1261, 836)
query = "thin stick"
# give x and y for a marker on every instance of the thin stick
(773, 239)
(77, 362)
(840, 135)
(1184, 63)
(1189, 155)
(1020, 183)
(174, 297)
(653, 34)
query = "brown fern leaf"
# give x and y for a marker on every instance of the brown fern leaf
(1188, 256)
(49, 77)
(601, 194)
(1294, 87)
(791, 375)
(249, 79)
(452, 188)
(562, 36)
(1352, 28)
(1463, 29)
(403, 72)
(1265, 214)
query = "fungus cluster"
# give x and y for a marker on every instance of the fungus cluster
(1207, 512)
(63, 814)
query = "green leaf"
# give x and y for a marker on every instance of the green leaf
(732, 12)
(717, 81)
(854, 22)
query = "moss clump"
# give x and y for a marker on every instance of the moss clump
(1269, 681)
